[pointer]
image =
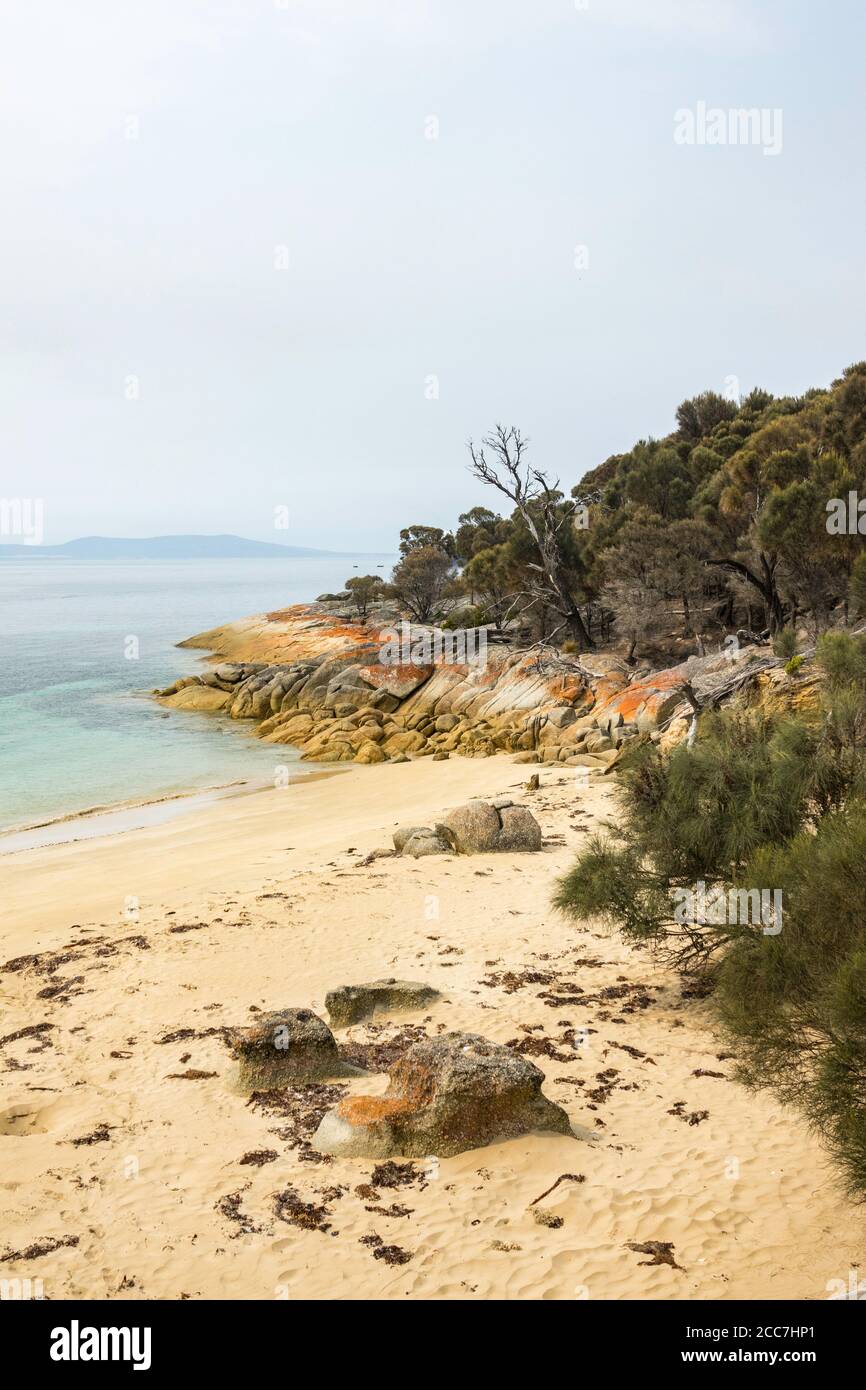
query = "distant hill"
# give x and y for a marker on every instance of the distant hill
(166, 548)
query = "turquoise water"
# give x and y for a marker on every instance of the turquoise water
(77, 728)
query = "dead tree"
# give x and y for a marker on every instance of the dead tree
(536, 499)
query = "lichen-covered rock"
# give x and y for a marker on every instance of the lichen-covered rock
(351, 1003)
(445, 1095)
(283, 1048)
(399, 679)
(675, 733)
(778, 692)
(483, 827)
(321, 664)
(657, 709)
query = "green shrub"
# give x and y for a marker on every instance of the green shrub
(795, 1004)
(842, 657)
(464, 618)
(792, 666)
(857, 586)
(841, 765)
(702, 809)
(699, 814)
(768, 803)
(785, 642)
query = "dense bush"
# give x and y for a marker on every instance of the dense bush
(722, 524)
(697, 815)
(760, 803)
(795, 1004)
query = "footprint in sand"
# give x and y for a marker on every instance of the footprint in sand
(29, 1117)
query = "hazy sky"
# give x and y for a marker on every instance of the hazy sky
(236, 211)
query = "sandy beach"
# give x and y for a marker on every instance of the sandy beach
(131, 1170)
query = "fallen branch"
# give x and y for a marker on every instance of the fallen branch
(563, 1177)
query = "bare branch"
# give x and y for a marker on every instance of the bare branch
(499, 461)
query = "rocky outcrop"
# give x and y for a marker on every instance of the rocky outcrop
(317, 680)
(487, 827)
(351, 1003)
(283, 1048)
(445, 1095)
(478, 827)
(201, 697)
(399, 681)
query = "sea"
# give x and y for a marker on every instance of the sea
(83, 643)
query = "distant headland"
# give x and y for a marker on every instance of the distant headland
(166, 548)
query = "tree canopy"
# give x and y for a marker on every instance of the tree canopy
(720, 525)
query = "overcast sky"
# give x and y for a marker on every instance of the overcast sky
(238, 268)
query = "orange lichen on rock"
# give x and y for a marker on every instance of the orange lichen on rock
(368, 1110)
(447, 1094)
(346, 676)
(607, 689)
(667, 680)
(630, 702)
(572, 688)
(378, 673)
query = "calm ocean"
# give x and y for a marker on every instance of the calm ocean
(77, 728)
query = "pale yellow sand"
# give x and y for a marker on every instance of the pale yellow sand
(745, 1195)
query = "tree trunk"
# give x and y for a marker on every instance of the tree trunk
(687, 617)
(775, 620)
(577, 628)
(765, 583)
(552, 567)
(567, 607)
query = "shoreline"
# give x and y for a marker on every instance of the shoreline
(123, 817)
